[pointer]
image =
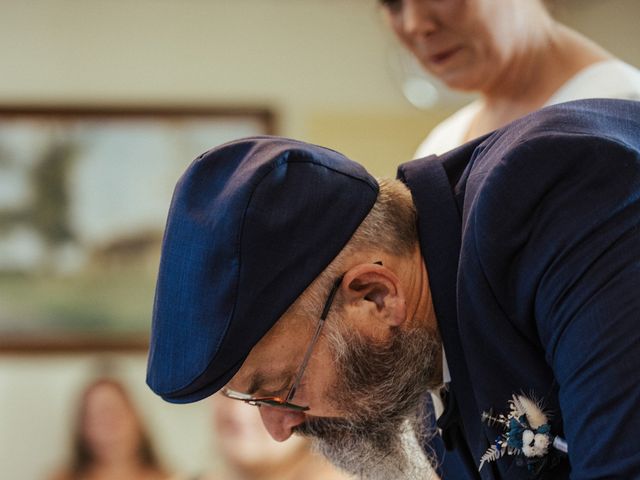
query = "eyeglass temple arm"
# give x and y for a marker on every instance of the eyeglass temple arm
(323, 317)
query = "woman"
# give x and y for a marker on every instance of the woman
(511, 52)
(109, 441)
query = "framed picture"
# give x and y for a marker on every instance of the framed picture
(84, 195)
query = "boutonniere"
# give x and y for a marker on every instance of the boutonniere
(526, 433)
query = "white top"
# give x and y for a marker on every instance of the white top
(606, 79)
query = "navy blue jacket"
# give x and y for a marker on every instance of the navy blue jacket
(531, 240)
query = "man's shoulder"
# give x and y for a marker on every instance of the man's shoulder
(563, 139)
(611, 119)
(507, 176)
(541, 188)
(557, 130)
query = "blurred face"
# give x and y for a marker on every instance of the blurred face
(467, 44)
(244, 442)
(110, 425)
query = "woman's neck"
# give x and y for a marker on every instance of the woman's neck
(534, 75)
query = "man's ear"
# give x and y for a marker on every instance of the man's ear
(373, 286)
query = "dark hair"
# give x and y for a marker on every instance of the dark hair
(82, 455)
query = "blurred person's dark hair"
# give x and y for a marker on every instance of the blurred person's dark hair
(83, 456)
(103, 431)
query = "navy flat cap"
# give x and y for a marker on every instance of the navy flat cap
(252, 223)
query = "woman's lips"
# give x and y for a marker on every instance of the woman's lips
(442, 57)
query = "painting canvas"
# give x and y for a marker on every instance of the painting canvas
(83, 200)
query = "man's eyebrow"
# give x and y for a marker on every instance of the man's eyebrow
(257, 383)
(259, 380)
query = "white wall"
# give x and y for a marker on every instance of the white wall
(611, 23)
(291, 54)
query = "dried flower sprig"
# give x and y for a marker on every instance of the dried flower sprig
(526, 432)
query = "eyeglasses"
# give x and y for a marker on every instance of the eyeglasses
(285, 403)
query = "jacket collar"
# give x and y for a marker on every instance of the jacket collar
(437, 186)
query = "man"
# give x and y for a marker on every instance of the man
(291, 279)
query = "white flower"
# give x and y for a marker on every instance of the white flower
(534, 445)
(527, 437)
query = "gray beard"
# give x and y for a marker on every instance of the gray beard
(381, 389)
(367, 455)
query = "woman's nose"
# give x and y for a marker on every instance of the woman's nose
(279, 422)
(416, 18)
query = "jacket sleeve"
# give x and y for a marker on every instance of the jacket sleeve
(562, 229)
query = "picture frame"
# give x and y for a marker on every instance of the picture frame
(84, 193)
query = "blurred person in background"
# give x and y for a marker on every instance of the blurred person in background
(110, 441)
(249, 452)
(512, 53)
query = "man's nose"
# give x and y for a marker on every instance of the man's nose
(279, 422)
